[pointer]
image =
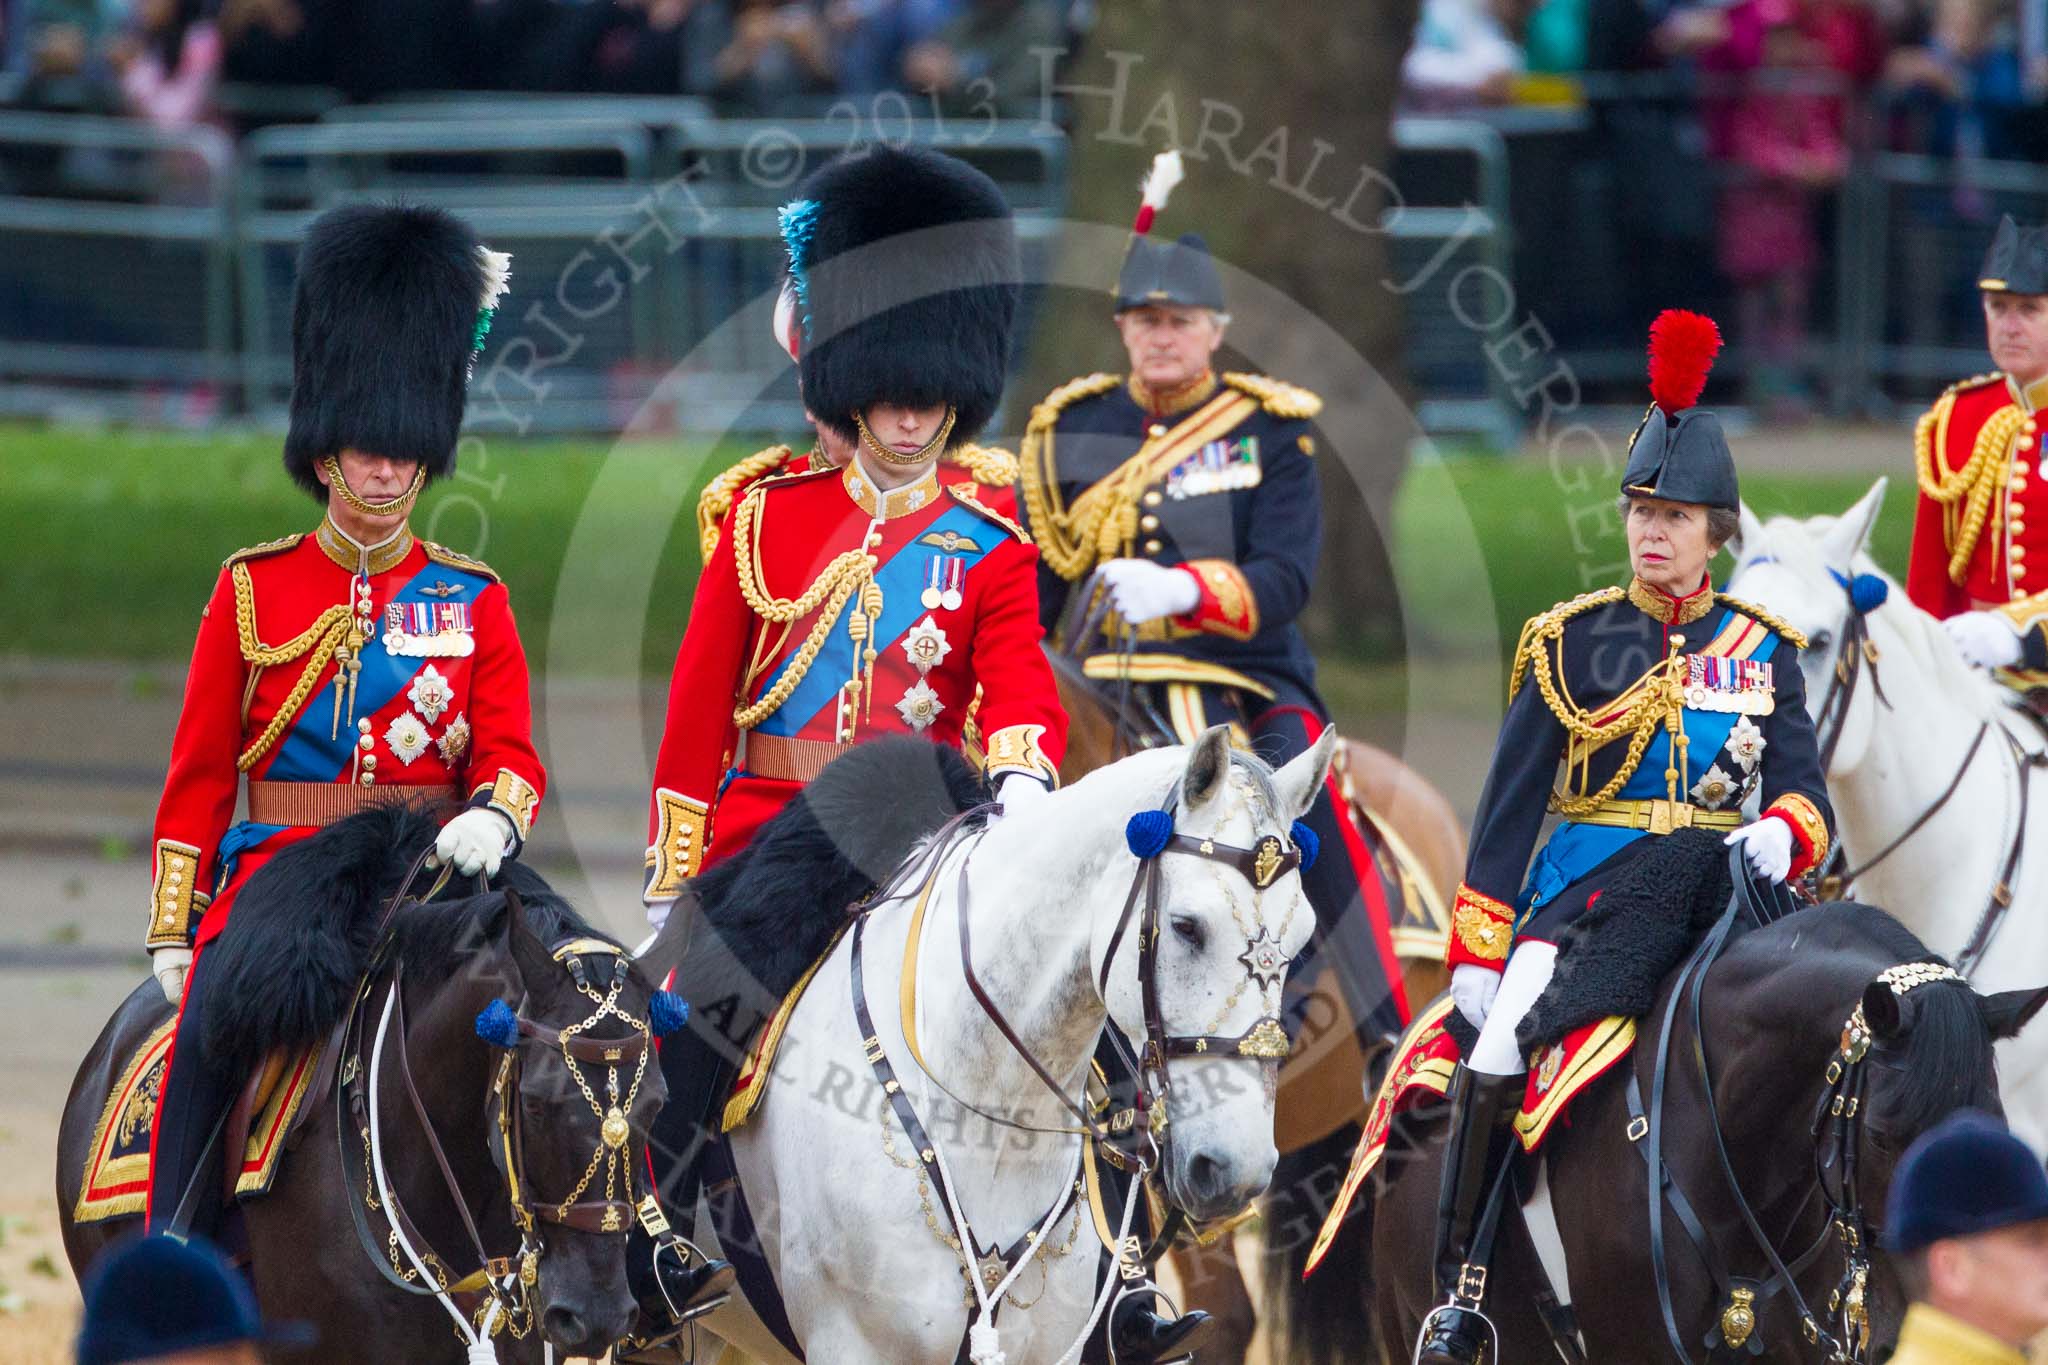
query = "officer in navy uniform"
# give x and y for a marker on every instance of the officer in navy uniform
(1192, 499)
(1668, 706)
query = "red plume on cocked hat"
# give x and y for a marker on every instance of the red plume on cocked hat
(1680, 451)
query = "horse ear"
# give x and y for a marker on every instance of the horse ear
(2007, 1012)
(1208, 766)
(1303, 776)
(1885, 1011)
(528, 952)
(1849, 535)
(1749, 530)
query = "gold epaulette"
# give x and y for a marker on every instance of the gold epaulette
(716, 501)
(1546, 625)
(991, 465)
(966, 498)
(1776, 622)
(1047, 412)
(268, 547)
(441, 554)
(1276, 396)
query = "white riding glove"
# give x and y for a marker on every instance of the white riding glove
(169, 966)
(657, 913)
(1473, 988)
(1020, 792)
(475, 841)
(1142, 591)
(1984, 638)
(1767, 843)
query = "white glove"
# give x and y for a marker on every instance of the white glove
(1473, 988)
(1767, 843)
(1143, 591)
(1020, 792)
(657, 913)
(169, 966)
(475, 841)
(1984, 638)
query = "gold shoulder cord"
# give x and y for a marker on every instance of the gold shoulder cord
(1974, 484)
(1792, 636)
(850, 573)
(717, 498)
(1653, 701)
(1070, 542)
(320, 640)
(1276, 396)
(991, 465)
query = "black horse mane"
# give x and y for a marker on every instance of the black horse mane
(777, 903)
(304, 929)
(1945, 1060)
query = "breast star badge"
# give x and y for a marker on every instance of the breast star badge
(407, 737)
(454, 741)
(920, 706)
(926, 646)
(430, 694)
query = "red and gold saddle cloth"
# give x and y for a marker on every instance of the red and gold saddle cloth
(1421, 1070)
(117, 1165)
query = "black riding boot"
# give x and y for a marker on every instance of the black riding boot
(195, 1098)
(1140, 1336)
(1482, 1108)
(675, 1284)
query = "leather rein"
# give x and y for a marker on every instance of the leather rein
(504, 1281)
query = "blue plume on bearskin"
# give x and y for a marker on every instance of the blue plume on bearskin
(498, 1024)
(1148, 832)
(667, 1012)
(384, 322)
(1305, 839)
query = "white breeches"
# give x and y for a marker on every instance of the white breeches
(1528, 972)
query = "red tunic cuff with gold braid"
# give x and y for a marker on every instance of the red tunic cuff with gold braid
(513, 797)
(175, 900)
(681, 839)
(1227, 606)
(1019, 749)
(1482, 929)
(1809, 831)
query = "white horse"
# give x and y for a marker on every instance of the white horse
(1919, 722)
(853, 1230)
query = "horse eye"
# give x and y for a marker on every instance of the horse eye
(1189, 930)
(1820, 639)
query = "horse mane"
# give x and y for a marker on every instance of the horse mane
(305, 923)
(1795, 541)
(1946, 1060)
(776, 905)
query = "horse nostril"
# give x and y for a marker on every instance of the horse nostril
(1205, 1175)
(564, 1328)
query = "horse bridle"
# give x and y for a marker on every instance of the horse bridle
(506, 1281)
(1855, 651)
(1837, 1131)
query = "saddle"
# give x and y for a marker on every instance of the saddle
(267, 1121)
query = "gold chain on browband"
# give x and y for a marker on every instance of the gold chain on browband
(320, 640)
(1973, 484)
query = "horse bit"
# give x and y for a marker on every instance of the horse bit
(500, 1290)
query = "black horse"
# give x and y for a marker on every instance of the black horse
(309, 930)
(1776, 1010)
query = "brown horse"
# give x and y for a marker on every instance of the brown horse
(1323, 1085)
(321, 1250)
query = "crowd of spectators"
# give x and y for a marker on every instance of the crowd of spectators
(1730, 126)
(164, 59)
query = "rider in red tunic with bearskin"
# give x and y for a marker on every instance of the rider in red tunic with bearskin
(351, 665)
